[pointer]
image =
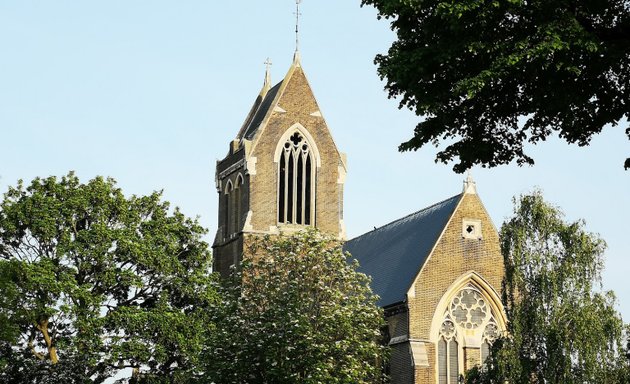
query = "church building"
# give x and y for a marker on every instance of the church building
(437, 271)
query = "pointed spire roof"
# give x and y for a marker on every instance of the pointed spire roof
(266, 101)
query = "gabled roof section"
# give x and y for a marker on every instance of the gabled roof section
(394, 254)
(262, 96)
(266, 101)
(291, 100)
(261, 107)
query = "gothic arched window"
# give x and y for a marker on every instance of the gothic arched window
(448, 354)
(295, 182)
(227, 197)
(469, 312)
(490, 334)
(237, 204)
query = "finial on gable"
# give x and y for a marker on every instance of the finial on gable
(469, 185)
(296, 59)
(267, 83)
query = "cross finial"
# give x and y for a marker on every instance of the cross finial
(297, 24)
(469, 184)
(268, 65)
(267, 83)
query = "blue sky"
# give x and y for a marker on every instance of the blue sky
(151, 92)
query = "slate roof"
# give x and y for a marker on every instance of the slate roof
(259, 111)
(394, 253)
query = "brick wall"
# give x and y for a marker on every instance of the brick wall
(228, 245)
(400, 365)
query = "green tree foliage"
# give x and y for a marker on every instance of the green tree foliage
(562, 329)
(297, 312)
(496, 74)
(92, 282)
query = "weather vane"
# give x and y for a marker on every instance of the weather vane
(297, 23)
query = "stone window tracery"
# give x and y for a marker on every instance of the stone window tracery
(490, 334)
(469, 322)
(296, 180)
(469, 308)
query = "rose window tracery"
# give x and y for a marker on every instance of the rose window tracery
(469, 308)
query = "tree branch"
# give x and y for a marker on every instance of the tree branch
(31, 338)
(42, 326)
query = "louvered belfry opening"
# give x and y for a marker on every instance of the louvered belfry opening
(295, 182)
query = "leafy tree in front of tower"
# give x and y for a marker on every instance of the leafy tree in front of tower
(562, 328)
(297, 312)
(93, 282)
(490, 76)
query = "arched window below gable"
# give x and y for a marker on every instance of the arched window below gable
(468, 312)
(296, 182)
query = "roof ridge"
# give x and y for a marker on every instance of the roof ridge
(408, 215)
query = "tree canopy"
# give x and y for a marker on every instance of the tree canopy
(93, 282)
(562, 328)
(297, 312)
(492, 75)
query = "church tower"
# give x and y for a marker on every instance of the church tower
(283, 172)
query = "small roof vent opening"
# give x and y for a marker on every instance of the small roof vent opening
(471, 229)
